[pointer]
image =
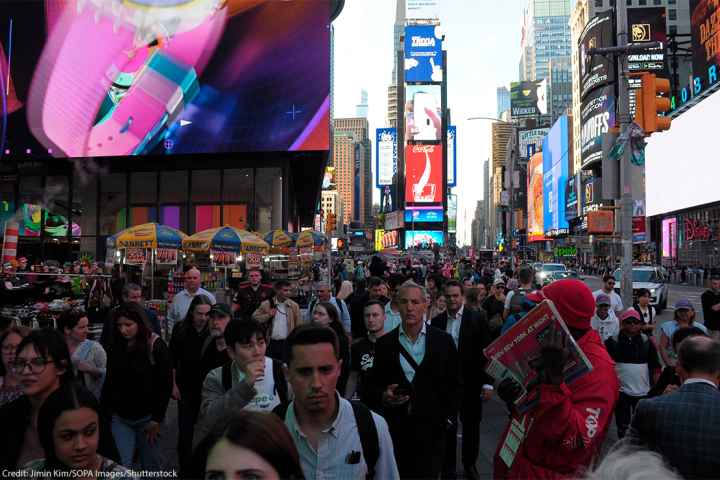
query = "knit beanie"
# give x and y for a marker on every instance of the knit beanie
(573, 300)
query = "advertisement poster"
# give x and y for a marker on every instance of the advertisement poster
(423, 174)
(452, 156)
(601, 222)
(535, 198)
(201, 87)
(421, 9)
(135, 256)
(423, 53)
(530, 141)
(379, 234)
(572, 205)
(390, 239)
(452, 214)
(423, 239)
(423, 113)
(425, 215)
(528, 99)
(253, 260)
(597, 115)
(386, 156)
(166, 256)
(669, 238)
(647, 25)
(223, 258)
(638, 229)
(597, 70)
(555, 173)
(705, 41)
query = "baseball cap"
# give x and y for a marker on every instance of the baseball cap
(602, 299)
(220, 310)
(629, 313)
(683, 304)
(498, 282)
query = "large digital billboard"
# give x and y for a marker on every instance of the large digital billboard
(705, 41)
(647, 25)
(386, 156)
(452, 156)
(596, 70)
(555, 174)
(160, 77)
(452, 213)
(424, 215)
(535, 198)
(423, 174)
(669, 238)
(597, 115)
(423, 53)
(528, 99)
(423, 113)
(423, 238)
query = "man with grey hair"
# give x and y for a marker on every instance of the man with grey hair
(684, 426)
(131, 293)
(417, 391)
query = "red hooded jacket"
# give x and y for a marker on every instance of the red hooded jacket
(569, 425)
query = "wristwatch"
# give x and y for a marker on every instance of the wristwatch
(115, 74)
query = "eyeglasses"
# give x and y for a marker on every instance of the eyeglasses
(632, 322)
(37, 365)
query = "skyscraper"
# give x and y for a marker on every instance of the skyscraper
(398, 33)
(546, 35)
(559, 87)
(361, 109)
(352, 158)
(503, 100)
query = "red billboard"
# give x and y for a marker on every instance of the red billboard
(423, 174)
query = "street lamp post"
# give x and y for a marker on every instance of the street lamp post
(513, 162)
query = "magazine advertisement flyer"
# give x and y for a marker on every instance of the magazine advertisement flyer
(517, 353)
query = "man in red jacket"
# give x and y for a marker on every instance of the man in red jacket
(565, 431)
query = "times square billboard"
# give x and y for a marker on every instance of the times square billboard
(555, 173)
(158, 77)
(423, 53)
(705, 29)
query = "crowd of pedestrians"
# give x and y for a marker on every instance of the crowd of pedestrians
(376, 380)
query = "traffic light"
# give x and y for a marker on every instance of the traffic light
(651, 100)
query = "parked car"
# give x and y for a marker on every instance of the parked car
(650, 277)
(546, 270)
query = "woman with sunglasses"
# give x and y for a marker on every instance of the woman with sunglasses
(636, 364)
(137, 387)
(10, 387)
(71, 430)
(42, 364)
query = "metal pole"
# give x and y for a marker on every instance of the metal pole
(625, 223)
(511, 222)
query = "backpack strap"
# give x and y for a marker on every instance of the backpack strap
(368, 436)
(281, 386)
(226, 376)
(151, 347)
(281, 411)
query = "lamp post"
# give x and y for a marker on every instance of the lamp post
(513, 162)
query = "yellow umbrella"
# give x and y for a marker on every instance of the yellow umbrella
(226, 239)
(148, 235)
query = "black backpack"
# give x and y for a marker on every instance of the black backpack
(366, 430)
(281, 386)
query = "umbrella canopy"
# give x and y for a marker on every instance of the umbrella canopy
(226, 239)
(311, 238)
(279, 240)
(147, 235)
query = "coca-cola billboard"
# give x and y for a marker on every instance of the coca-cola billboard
(423, 174)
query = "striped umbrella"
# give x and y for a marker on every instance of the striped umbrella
(311, 239)
(147, 235)
(280, 241)
(225, 239)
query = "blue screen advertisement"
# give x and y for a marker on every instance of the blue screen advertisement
(452, 156)
(434, 215)
(423, 238)
(423, 53)
(555, 174)
(386, 156)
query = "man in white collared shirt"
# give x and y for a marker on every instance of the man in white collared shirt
(181, 301)
(323, 425)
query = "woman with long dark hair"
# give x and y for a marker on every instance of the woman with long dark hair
(137, 387)
(88, 356)
(254, 444)
(325, 314)
(70, 428)
(42, 364)
(190, 341)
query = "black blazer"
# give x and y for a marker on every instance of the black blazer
(684, 427)
(434, 388)
(474, 337)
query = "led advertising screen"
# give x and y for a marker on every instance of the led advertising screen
(159, 77)
(528, 99)
(596, 70)
(423, 113)
(423, 174)
(535, 198)
(530, 141)
(386, 156)
(572, 204)
(705, 41)
(597, 115)
(555, 174)
(452, 156)
(669, 238)
(647, 25)
(423, 239)
(424, 215)
(452, 213)
(689, 149)
(423, 53)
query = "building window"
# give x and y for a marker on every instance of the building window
(173, 187)
(598, 3)
(673, 29)
(205, 186)
(672, 14)
(642, 2)
(113, 197)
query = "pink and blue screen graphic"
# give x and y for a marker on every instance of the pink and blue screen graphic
(265, 87)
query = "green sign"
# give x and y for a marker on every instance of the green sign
(565, 251)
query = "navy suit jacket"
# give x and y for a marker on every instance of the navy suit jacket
(684, 427)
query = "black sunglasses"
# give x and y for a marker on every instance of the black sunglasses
(632, 321)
